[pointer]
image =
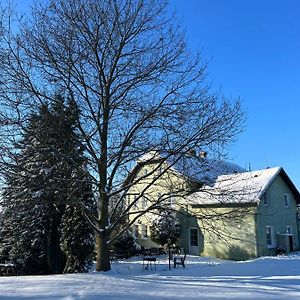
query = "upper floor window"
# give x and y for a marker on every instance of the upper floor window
(135, 202)
(160, 170)
(128, 199)
(265, 199)
(171, 201)
(144, 202)
(287, 200)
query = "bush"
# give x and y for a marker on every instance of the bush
(165, 226)
(125, 244)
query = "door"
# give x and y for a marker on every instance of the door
(194, 241)
(291, 247)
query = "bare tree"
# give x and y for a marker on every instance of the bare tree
(136, 87)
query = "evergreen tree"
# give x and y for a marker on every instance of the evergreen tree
(165, 226)
(39, 197)
(77, 238)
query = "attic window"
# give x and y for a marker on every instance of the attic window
(265, 199)
(286, 200)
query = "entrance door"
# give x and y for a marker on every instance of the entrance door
(291, 243)
(194, 241)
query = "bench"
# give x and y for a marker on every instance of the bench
(7, 269)
(148, 261)
(179, 261)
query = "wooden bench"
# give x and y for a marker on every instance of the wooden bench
(179, 261)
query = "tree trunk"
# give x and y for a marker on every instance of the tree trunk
(102, 250)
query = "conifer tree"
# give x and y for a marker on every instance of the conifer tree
(165, 226)
(39, 197)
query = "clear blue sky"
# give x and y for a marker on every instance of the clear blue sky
(253, 50)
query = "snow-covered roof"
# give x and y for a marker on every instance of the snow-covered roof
(245, 187)
(204, 170)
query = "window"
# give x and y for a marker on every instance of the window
(160, 170)
(145, 172)
(193, 237)
(171, 201)
(144, 231)
(270, 237)
(289, 230)
(286, 200)
(144, 202)
(135, 230)
(135, 200)
(265, 199)
(128, 199)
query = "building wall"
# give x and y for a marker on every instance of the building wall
(168, 186)
(275, 214)
(188, 221)
(240, 237)
(229, 233)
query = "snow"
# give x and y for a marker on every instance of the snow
(194, 167)
(203, 278)
(239, 187)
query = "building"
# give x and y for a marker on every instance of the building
(224, 211)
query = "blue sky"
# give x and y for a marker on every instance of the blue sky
(253, 52)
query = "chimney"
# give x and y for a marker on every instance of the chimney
(203, 154)
(191, 153)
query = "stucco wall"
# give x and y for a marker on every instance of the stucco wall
(275, 214)
(230, 235)
(169, 183)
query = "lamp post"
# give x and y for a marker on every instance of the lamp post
(169, 248)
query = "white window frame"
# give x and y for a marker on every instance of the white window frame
(287, 200)
(270, 231)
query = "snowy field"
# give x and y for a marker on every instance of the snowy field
(203, 278)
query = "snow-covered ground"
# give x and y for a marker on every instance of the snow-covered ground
(203, 278)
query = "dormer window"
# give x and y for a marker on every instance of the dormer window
(286, 200)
